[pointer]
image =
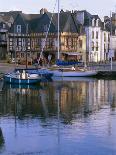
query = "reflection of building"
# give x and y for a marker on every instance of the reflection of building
(76, 98)
(1, 138)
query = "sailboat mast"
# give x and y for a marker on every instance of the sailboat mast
(58, 29)
(26, 44)
(111, 37)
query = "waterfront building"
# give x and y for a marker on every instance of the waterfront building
(28, 37)
(6, 20)
(83, 36)
(110, 23)
(97, 36)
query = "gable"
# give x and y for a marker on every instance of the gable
(18, 21)
(41, 25)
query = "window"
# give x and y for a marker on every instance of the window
(104, 37)
(18, 28)
(92, 34)
(23, 42)
(97, 22)
(11, 43)
(108, 38)
(45, 28)
(67, 42)
(96, 46)
(22, 55)
(80, 43)
(92, 46)
(97, 35)
(93, 22)
(104, 48)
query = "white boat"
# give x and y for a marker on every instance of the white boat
(72, 72)
(21, 78)
(69, 72)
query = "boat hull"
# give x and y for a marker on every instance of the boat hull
(20, 81)
(12, 78)
(59, 73)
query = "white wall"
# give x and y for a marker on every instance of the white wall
(113, 42)
(94, 55)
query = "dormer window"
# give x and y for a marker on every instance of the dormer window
(97, 22)
(93, 22)
(18, 28)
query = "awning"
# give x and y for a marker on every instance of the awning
(72, 53)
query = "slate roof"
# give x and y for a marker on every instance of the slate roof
(66, 22)
(37, 22)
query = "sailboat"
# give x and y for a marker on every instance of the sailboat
(69, 72)
(21, 78)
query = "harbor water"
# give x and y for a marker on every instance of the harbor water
(72, 116)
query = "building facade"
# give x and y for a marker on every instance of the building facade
(33, 34)
(97, 37)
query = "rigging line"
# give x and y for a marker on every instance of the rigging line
(47, 32)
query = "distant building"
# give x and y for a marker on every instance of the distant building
(110, 23)
(6, 20)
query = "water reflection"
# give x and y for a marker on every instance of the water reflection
(1, 139)
(53, 116)
(82, 98)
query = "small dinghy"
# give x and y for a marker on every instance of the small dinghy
(21, 78)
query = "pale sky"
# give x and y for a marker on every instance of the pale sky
(100, 7)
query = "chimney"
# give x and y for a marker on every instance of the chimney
(43, 10)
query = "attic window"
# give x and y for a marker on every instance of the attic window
(18, 28)
(93, 22)
(97, 22)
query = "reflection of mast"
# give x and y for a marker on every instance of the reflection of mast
(58, 118)
(26, 43)
(58, 106)
(42, 95)
(14, 46)
(1, 138)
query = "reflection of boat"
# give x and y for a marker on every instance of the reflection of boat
(73, 79)
(21, 78)
(20, 86)
(1, 84)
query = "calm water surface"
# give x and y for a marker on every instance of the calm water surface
(59, 118)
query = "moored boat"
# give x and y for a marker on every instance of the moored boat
(42, 72)
(21, 78)
(72, 72)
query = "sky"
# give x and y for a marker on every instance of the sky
(100, 7)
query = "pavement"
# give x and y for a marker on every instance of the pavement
(6, 67)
